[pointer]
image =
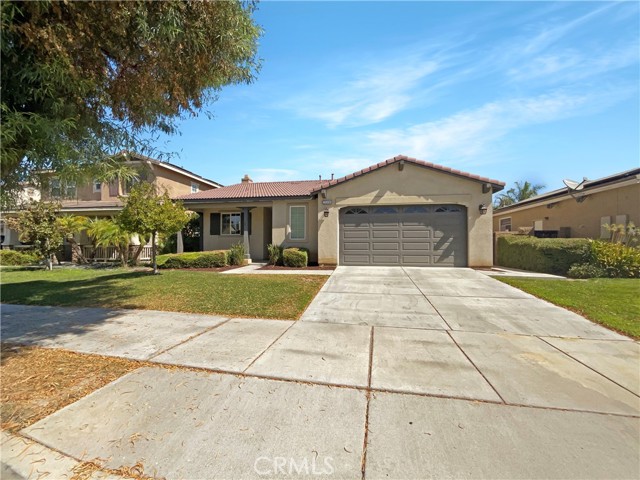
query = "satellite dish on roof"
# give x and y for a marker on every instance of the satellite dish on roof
(574, 186)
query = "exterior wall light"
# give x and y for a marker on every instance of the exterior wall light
(483, 208)
(326, 212)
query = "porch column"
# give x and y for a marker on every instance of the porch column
(180, 246)
(245, 229)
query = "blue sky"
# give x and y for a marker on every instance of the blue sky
(511, 90)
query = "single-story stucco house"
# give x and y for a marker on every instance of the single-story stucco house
(580, 211)
(401, 211)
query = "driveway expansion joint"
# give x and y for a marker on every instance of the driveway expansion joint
(208, 329)
(588, 366)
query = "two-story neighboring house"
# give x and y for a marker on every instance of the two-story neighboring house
(100, 199)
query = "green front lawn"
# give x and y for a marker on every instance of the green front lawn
(612, 302)
(265, 296)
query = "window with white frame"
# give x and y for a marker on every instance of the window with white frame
(97, 186)
(505, 224)
(297, 222)
(195, 187)
(230, 224)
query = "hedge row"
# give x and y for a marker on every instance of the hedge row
(14, 257)
(212, 259)
(546, 255)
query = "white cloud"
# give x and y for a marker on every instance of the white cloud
(370, 94)
(570, 65)
(470, 134)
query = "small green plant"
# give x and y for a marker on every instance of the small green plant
(295, 257)
(13, 257)
(275, 254)
(586, 270)
(236, 254)
(628, 235)
(617, 259)
(212, 259)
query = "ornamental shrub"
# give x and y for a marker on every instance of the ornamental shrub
(211, 259)
(275, 254)
(236, 254)
(586, 270)
(616, 259)
(14, 257)
(295, 257)
(545, 255)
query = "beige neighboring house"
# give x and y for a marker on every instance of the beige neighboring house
(99, 199)
(582, 212)
(401, 211)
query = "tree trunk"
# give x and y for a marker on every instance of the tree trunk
(153, 253)
(136, 256)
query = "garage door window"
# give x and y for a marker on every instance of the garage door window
(385, 210)
(356, 211)
(448, 209)
(298, 222)
(415, 209)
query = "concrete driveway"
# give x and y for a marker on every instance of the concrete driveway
(391, 373)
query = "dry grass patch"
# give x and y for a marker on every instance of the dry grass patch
(38, 381)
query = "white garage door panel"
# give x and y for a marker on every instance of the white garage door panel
(425, 235)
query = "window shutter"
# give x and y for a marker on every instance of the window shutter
(214, 224)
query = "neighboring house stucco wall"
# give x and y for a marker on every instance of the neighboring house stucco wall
(412, 185)
(583, 218)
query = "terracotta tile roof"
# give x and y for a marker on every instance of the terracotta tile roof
(306, 188)
(300, 188)
(497, 184)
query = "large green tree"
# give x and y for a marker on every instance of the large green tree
(38, 226)
(520, 191)
(149, 212)
(82, 81)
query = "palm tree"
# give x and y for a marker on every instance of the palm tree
(105, 232)
(69, 226)
(521, 191)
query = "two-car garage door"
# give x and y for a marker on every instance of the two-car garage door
(417, 235)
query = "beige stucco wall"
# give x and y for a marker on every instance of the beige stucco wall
(175, 183)
(413, 185)
(281, 229)
(257, 242)
(583, 218)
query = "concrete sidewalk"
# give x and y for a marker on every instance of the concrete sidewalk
(392, 373)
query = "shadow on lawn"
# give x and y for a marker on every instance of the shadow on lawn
(30, 325)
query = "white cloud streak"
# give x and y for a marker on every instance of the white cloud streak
(473, 133)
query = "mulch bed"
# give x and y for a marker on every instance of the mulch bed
(213, 269)
(39, 381)
(278, 267)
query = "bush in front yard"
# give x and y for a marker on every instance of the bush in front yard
(616, 259)
(13, 257)
(295, 257)
(212, 259)
(586, 270)
(275, 254)
(236, 254)
(546, 255)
